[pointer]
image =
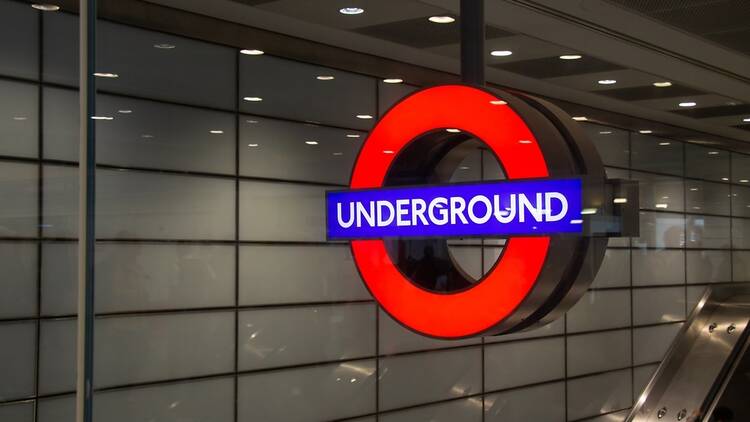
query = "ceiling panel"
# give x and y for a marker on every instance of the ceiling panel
(551, 67)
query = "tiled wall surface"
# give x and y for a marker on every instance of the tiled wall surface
(218, 298)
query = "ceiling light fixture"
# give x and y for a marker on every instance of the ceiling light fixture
(124, 111)
(693, 189)
(746, 119)
(744, 180)
(441, 19)
(46, 7)
(726, 179)
(253, 99)
(106, 75)
(352, 135)
(620, 200)
(500, 53)
(393, 80)
(252, 122)
(713, 152)
(688, 104)
(164, 46)
(19, 118)
(311, 142)
(607, 82)
(351, 10)
(102, 118)
(580, 118)
(252, 145)
(216, 132)
(645, 131)
(252, 52)
(664, 143)
(605, 132)
(661, 205)
(364, 116)
(570, 57)
(325, 77)
(663, 84)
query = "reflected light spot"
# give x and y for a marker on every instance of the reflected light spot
(252, 122)
(607, 82)
(605, 132)
(352, 135)
(453, 130)
(19, 118)
(498, 102)
(744, 180)
(46, 7)
(664, 143)
(311, 142)
(693, 189)
(351, 10)
(661, 205)
(441, 19)
(338, 153)
(106, 75)
(524, 141)
(746, 119)
(588, 211)
(253, 99)
(216, 132)
(164, 46)
(387, 151)
(464, 168)
(577, 221)
(580, 118)
(726, 179)
(364, 116)
(252, 145)
(252, 52)
(393, 80)
(645, 131)
(325, 77)
(620, 200)
(102, 118)
(147, 136)
(124, 111)
(713, 152)
(688, 104)
(663, 84)
(570, 57)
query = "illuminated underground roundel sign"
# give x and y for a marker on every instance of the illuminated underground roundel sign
(402, 211)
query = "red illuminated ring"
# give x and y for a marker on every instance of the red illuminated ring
(479, 308)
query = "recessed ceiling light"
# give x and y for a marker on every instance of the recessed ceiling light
(665, 143)
(325, 77)
(252, 122)
(580, 118)
(393, 80)
(663, 84)
(164, 46)
(364, 116)
(588, 211)
(744, 180)
(253, 99)
(570, 57)
(645, 131)
(713, 152)
(453, 130)
(387, 151)
(338, 153)
(19, 118)
(693, 189)
(607, 82)
(102, 118)
(498, 102)
(725, 179)
(46, 7)
(746, 119)
(605, 132)
(352, 135)
(216, 132)
(688, 104)
(464, 168)
(661, 205)
(252, 52)
(124, 111)
(524, 141)
(441, 19)
(106, 75)
(620, 200)
(351, 10)
(500, 53)
(252, 145)
(311, 142)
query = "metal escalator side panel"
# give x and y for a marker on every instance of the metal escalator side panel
(681, 387)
